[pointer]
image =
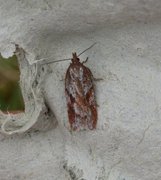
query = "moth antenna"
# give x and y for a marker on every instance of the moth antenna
(63, 59)
(40, 60)
(87, 49)
(57, 61)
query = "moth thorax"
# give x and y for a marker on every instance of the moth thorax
(75, 58)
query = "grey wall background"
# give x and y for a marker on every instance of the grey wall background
(126, 144)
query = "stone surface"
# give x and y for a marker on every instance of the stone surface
(126, 144)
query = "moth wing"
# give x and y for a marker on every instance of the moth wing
(80, 95)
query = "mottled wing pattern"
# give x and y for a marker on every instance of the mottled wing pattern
(80, 95)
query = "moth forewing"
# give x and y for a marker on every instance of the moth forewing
(80, 96)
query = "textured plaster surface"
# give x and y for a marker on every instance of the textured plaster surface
(126, 144)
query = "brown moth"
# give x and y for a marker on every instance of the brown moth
(80, 96)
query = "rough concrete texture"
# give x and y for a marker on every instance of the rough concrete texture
(126, 144)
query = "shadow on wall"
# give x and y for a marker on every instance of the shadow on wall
(11, 99)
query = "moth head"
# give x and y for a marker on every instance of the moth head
(75, 58)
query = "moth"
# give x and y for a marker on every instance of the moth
(80, 94)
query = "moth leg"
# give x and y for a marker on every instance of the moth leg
(97, 79)
(85, 60)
